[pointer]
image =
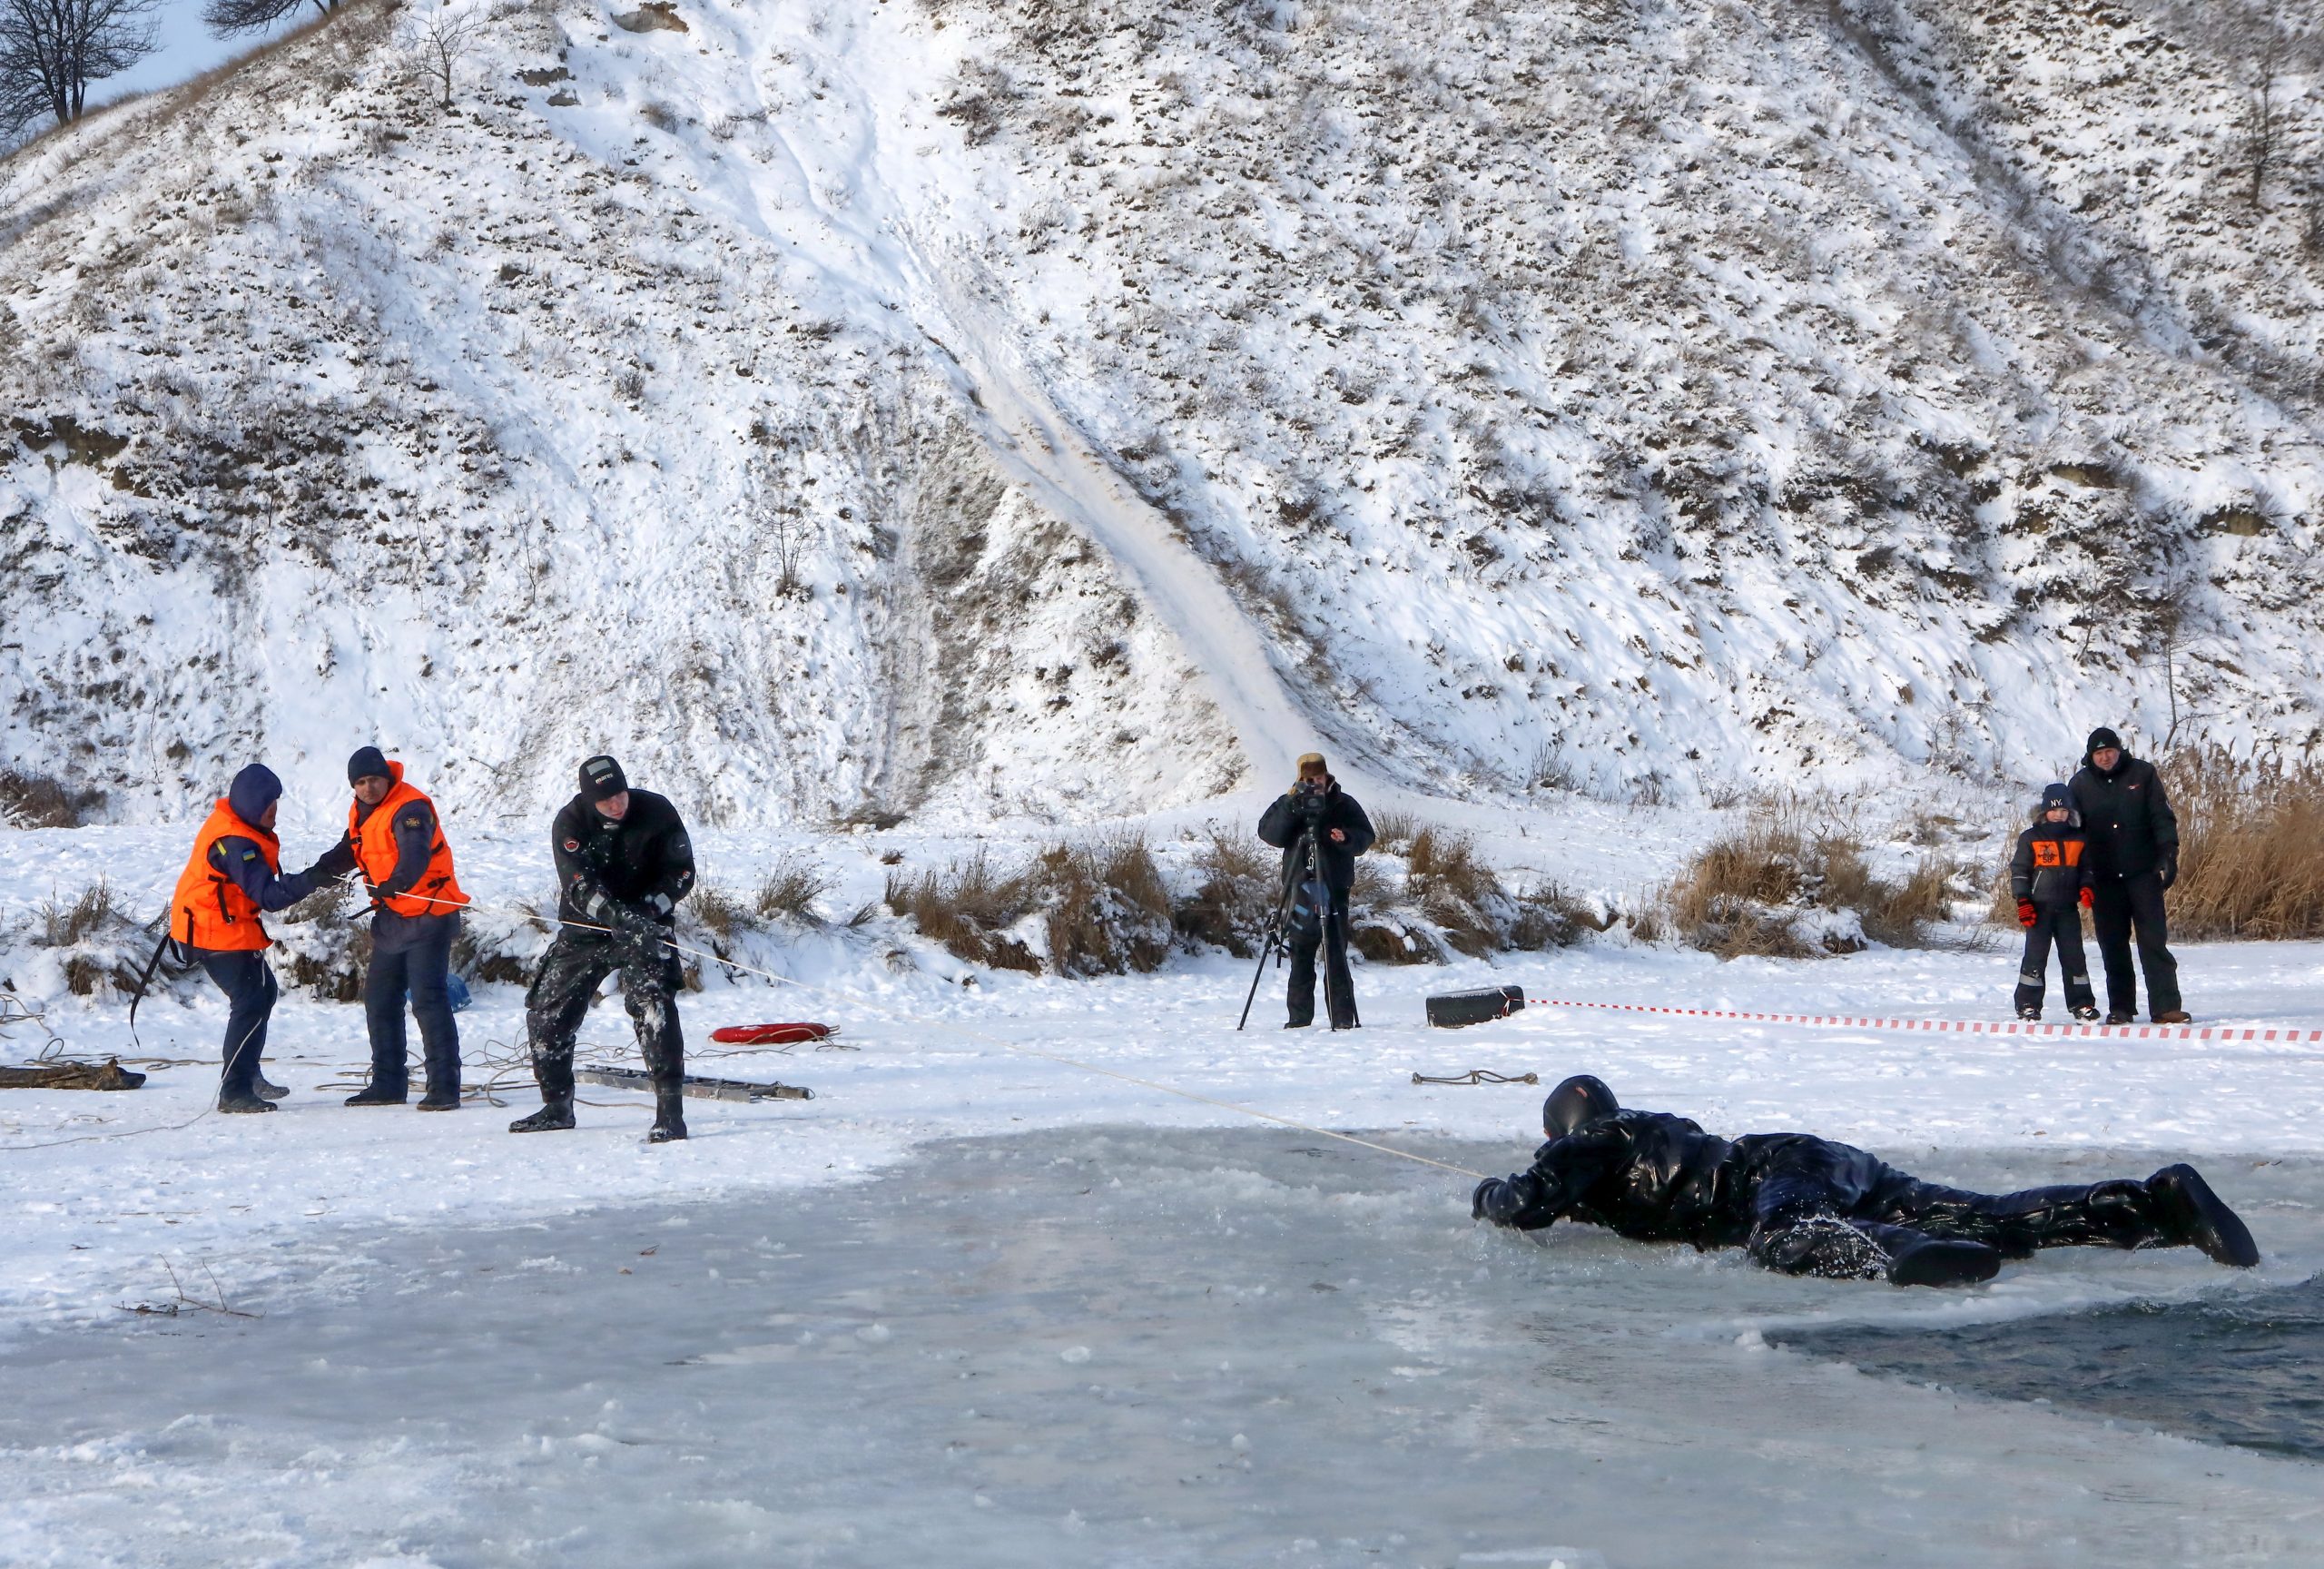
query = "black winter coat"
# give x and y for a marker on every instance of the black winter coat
(629, 874)
(1280, 826)
(2052, 865)
(2125, 816)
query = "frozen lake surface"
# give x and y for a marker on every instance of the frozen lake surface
(1133, 1345)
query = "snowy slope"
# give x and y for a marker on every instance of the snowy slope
(1640, 397)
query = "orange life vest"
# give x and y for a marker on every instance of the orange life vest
(210, 909)
(373, 836)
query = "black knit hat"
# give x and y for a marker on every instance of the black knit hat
(602, 779)
(368, 763)
(2101, 739)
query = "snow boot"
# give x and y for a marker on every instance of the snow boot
(669, 1115)
(1940, 1261)
(2174, 1016)
(2087, 1015)
(378, 1094)
(2121, 1016)
(554, 1116)
(236, 1099)
(2029, 1015)
(2187, 1211)
(264, 1088)
(439, 1099)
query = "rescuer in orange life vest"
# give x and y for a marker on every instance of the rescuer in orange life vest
(395, 840)
(234, 872)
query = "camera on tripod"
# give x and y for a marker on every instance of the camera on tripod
(1310, 798)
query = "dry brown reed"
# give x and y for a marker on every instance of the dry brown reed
(2251, 846)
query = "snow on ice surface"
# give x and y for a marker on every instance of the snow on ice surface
(1103, 1346)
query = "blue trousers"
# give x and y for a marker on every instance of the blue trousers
(249, 989)
(420, 968)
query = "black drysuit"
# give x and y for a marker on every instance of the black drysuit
(1807, 1205)
(2133, 858)
(618, 887)
(1283, 825)
(2049, 871)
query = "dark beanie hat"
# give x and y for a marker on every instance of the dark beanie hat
(2101, 739)
(254, 789)
(368, 763)
(601, 779)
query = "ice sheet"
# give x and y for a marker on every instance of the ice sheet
(1111, 1345)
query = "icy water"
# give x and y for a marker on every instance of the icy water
(2246, 1370)
(1124, 1347)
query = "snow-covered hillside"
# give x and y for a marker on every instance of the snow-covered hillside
(1641, 397)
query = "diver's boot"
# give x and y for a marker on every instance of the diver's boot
(555, 1116)
(1939, 1261)
(669, 1115)
(2187, 1211)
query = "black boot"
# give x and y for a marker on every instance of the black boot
(2187, 1211)
(265, 1089)
(556, 1114)
(440, 1098)
(378, 1094)
(553, 1117)
(669, 1115)
(1939, 1261)
(239, 1099)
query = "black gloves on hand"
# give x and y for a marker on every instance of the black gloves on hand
(1477, 1200)
(1497, 1199)
(2169, 870)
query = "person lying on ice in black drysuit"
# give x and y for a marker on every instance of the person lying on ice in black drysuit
(1807, 1205)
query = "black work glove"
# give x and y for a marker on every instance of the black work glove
(1496, 1200)
(1477, 1200)
(2169, 871)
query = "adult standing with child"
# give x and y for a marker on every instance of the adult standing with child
(2134, 859)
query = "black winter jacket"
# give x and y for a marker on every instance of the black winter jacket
(1280, 826)
(2052, 865)
(629, 874)
(2125, 816)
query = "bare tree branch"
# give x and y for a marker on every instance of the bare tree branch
(50, 50)
(228, 17)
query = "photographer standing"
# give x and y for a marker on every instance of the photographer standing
(1315, 805)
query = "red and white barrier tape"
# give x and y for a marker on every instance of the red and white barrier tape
(1956, 1026)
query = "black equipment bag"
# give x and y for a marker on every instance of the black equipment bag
(1455, 1009)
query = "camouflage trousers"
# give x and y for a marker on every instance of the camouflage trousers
(576, 965)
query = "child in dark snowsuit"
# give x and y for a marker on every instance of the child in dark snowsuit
(2050, 875)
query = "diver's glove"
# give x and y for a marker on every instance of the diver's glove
(1496, 1200)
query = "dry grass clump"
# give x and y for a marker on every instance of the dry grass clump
(1458, 893)
(69, 924)
(1237, 889)
(1750, 894)
(1394, 832)
(36, 801)
(791, 887)
(967, 909)
(1103, 907)
(2250, 846)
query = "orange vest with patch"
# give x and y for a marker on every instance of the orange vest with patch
(373, 836)
(210, 909)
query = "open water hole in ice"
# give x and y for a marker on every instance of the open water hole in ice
(1121, 1346)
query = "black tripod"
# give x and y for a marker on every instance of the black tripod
(1303, 878)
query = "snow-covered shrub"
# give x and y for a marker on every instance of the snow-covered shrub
(92, 940)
